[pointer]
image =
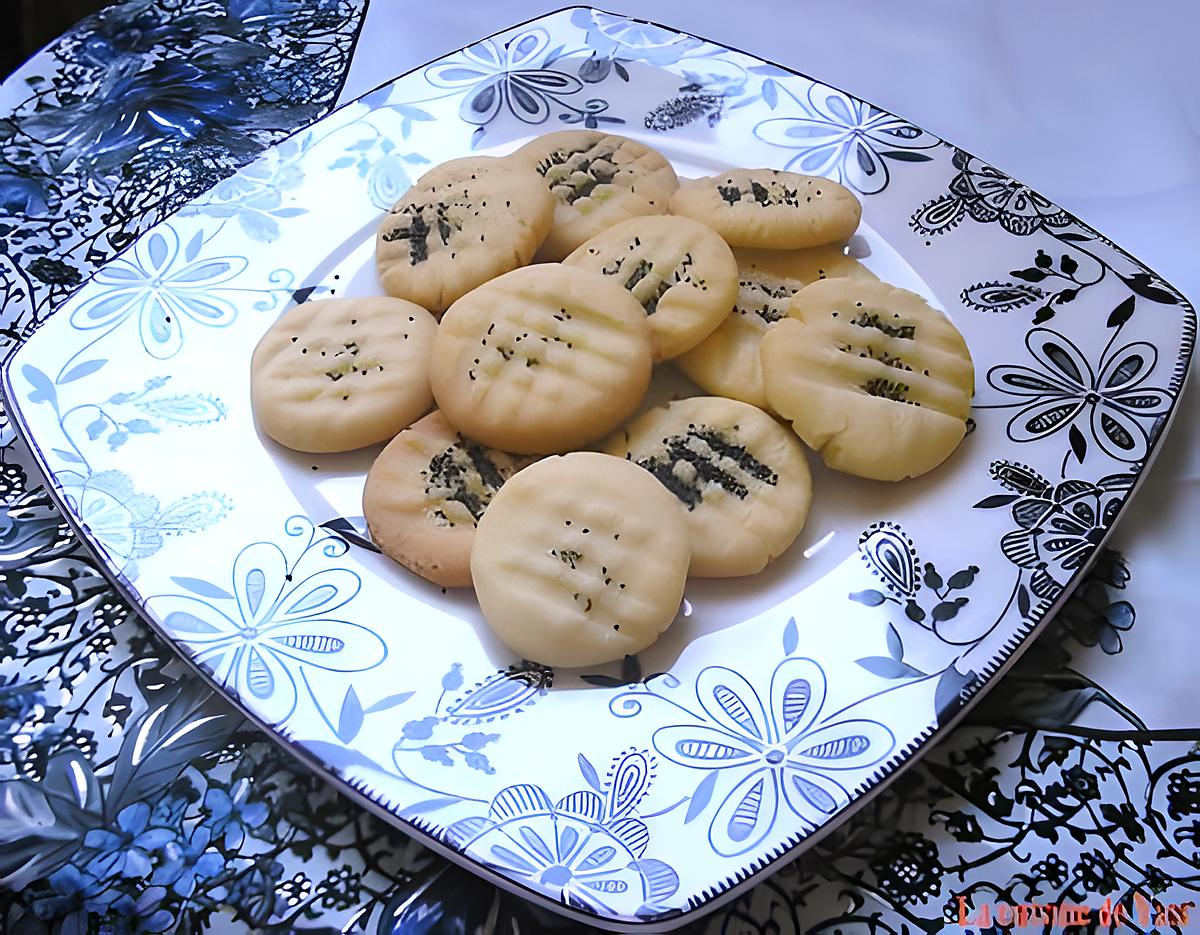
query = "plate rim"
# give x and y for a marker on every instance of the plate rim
(753, 871)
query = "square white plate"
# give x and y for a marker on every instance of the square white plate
(646, 792)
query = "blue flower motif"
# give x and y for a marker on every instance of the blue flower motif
(254, 196)
(141, 914)
(614, 36)
(186, 864)
(387, 181)
(232, 814)
(125, 852)
(162, 285)
(586, 850)
(778, 754)
(844, 138)
(71, 898)
(110, 510)
(277, 626)
(511, 75)
(131, 525)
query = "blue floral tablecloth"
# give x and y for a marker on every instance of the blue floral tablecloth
(133, 799)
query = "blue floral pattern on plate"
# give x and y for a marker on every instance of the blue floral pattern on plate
(586, 849)
(776, 754)
(844, 138)
(279, 619)
(777, 748)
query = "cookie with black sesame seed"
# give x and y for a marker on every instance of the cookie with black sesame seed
(726, 363)
(580, 560)
(541, 360)
(770, 209)
(871, 376)
(597, 180)
(338, 374)
(462, 223)
(741, 476)
(681, 272)
(425, 494)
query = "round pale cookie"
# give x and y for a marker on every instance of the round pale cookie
(580, 560)
(741, 475)
(680, 271)
(425, 494)
(597, 179)
(337, 374)
(541, 360)
(462, 223)
(870, 376)
(726, 363)
(771, 209)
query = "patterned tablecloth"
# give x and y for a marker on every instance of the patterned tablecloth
(132, 799)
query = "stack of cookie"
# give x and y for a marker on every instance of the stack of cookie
(576, 526)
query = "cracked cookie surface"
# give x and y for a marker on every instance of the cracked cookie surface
(770, 209)
(425, 494)
(461, 224)
(726, 363)
(871, 376)
(542, 360)
(597, 180)
(338, 374)
(682, 274)
(741, 476)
